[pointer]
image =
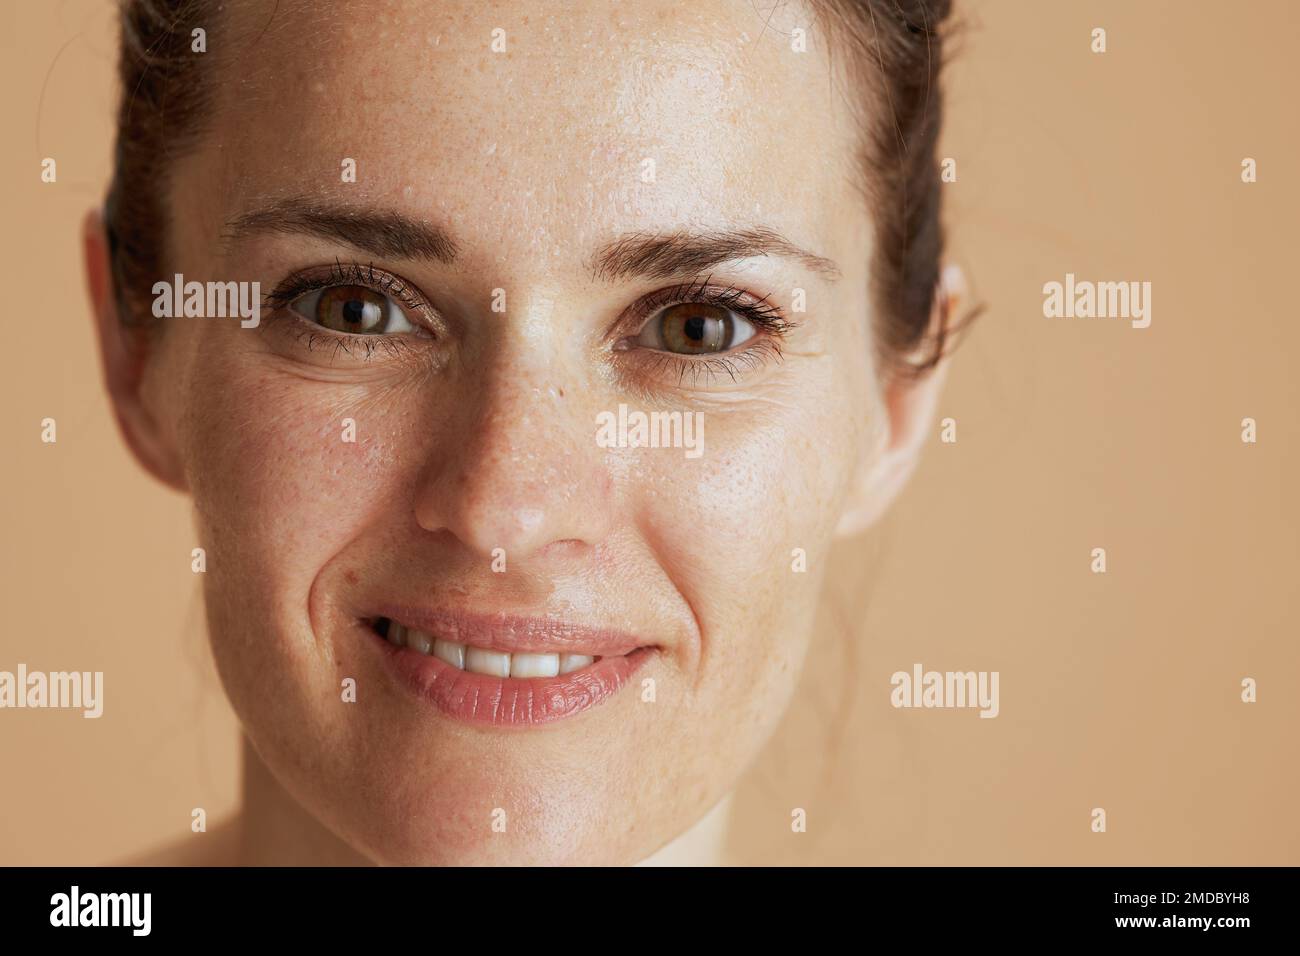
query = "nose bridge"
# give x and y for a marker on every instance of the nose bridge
(523, 472)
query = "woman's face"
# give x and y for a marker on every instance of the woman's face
(648, 207)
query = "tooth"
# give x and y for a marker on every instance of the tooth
(396, 634)
(418, 640)
(534, 665)
(450, 651)
(573, 662)
(493, 663)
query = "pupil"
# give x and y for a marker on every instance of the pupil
(695, 328)
(354, 311)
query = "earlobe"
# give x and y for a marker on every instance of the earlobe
(124, 365)
(908, 409)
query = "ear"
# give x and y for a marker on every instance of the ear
(908, 406)
(124, 364)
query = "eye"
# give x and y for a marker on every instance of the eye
(353, 309)
(695, 328)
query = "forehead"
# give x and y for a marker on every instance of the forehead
(569, 120)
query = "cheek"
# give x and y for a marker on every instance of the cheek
(284, 474)
(743, 531)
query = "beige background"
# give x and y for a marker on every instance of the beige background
(1118, 691)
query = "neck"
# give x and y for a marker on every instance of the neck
(704, 844)
(275, 830)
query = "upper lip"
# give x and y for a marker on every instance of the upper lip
(514, 633)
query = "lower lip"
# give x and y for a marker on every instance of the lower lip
(509, 701)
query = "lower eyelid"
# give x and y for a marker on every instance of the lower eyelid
(727, 366)
(312, 338)
(420, 320)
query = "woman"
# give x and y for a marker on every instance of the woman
(580, 331)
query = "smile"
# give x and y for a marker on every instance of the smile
(480, 660)
(502, 670)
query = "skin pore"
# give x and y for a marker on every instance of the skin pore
(475, 429)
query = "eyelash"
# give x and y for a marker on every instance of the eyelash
(345, 273)
(768, 319)
(307, 333)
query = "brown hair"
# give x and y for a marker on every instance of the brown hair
(895, 54)
(163, 102)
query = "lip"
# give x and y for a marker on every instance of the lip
(515, 633)
(511, 701)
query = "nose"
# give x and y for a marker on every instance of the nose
(524, 474)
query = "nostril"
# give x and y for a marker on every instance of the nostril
(569, 548)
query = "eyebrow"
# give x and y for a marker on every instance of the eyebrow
(388, 234)
(394, 235)
(663, 255)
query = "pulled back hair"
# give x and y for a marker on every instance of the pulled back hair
(893, 52)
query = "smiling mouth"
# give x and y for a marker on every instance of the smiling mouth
(503, 670)
(482, 660)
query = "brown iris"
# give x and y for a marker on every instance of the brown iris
(696, 328)
(351, 308)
